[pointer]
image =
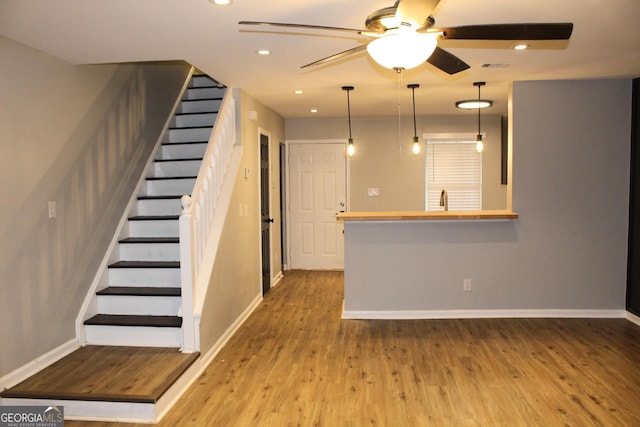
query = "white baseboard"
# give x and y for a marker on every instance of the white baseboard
(38, 364)
(632, 318)
(222, 341)
(481, 314)
(277, 279)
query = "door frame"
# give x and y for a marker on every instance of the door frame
(288, 179)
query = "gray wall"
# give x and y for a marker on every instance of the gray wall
(400, 176)
(236, 277)
(79, 136)
(571, 142)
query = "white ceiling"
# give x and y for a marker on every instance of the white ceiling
(605, 43)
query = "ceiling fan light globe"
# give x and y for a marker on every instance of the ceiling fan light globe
(402, 50)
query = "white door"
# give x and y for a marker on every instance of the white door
(317, 191)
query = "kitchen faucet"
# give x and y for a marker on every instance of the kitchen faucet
(444, 199)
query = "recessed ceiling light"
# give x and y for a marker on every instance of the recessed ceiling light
(313, 110)
(297, 92)
(521, 46)
(264, 52)
(221, 2)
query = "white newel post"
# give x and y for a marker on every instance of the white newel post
(186, 277)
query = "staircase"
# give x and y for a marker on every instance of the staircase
(141, 302)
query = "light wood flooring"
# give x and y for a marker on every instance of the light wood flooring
(296, 363)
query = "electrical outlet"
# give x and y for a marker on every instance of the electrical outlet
(466, 285)
(373, 191)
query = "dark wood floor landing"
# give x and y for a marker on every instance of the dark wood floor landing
(110, 374)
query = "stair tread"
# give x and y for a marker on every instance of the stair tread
(165, 178)
(190, 159)
(191, 127)
(202, 99)
(184, 143)
(153, 217)
(150, 240)
(145, 264)
(165, 197)
(196, 113)
(168, 144)
(134, 320)
(145, 291)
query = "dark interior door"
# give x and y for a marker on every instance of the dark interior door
(265, 213)
(633, 256)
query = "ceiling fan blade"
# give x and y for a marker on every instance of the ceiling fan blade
(559, 31)
(337, 56)
(287, 25)
(447, 62)
(415, 10)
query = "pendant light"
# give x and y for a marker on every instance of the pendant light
(479, 144)
(479, 103)
(350, 148)
(416, 140)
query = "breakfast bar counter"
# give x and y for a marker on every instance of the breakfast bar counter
(428, 216)
(401, 265)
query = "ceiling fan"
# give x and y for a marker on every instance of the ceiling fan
(404, 36)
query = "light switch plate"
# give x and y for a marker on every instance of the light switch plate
(373, 191)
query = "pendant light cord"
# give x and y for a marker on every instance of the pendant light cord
(479, 109)
(399, 72)
(413, 92)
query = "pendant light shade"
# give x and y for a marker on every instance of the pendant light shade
(416, 140)
(402, 50)
(350, 148)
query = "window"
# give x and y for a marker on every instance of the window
(454, 165)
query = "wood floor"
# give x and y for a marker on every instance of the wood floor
(296, 363)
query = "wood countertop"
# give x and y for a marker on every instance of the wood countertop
(428, 216)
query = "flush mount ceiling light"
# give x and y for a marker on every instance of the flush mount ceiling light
(264, 52)
(221, 2)
(472, 104)
(402, 50)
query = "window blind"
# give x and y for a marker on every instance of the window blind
(455, 166)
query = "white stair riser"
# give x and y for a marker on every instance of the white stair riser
(176, 168)
(158, 228)
(188, 135)
(149, 251)
(157, 207)
(169, 187)
(138, 305)
(140, 336)
(183, 151)
(155, 277)
(200, 106)
(204, 93)
(201, 80)
(191, 120)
